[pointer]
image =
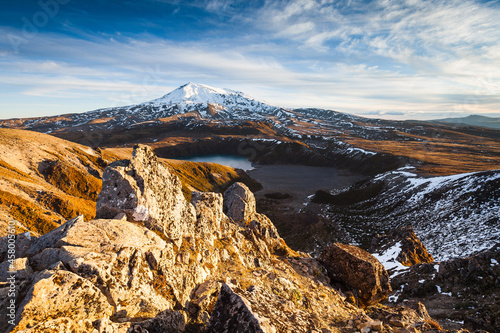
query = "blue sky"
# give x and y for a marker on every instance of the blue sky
(407, 59)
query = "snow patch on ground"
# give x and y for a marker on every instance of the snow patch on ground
(441, 292)
(453, 215)
(359, 150)
(388, 260)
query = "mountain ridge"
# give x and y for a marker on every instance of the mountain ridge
(472, 120)
(178, 117)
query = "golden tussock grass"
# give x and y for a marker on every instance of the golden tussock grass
(28, 213)
(73, 181)
(439, 157)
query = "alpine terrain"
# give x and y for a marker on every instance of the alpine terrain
(343, 224)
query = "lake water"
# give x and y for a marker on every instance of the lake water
(297, 180)
(234, 161)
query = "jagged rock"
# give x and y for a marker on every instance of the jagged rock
(209, 214)
(239, 203)
(147, 192)
(232, 313)
(21, 243)
(359, 270)
(166, 322)
(20, 267)
(61, 325)
(418, 307)
(413, 251)
(61, 292)
(119, 275)
(204, 300)
(412, 317)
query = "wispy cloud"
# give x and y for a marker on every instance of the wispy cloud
(394, 58)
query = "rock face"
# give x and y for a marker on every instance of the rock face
(358, 270)
(239, 203)
(156, 263)
(462, 289)
(232, 313)
(147, 192)
(413, 251)
(55, 290)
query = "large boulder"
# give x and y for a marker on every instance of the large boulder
(147, 192)
(358, 270)
(239, 203)
(232, 313)
(61, 292)
(411, 250)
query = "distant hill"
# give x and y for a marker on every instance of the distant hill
(473, 120)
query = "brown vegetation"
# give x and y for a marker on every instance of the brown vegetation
(208, 177)
(451, 153)
(45, 180)
(29, 214)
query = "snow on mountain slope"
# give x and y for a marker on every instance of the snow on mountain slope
(454, 216)
(190, 100)
(192, 96)
(195, 94)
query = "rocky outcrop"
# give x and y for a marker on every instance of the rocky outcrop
(144, 273)
(239, 203)
(458, 290)
(357, 270)
(147, 192)
(62, 291)
(412, 252)
(232, 313)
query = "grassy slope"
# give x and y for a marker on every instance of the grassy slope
(45, 181)
(449, 152)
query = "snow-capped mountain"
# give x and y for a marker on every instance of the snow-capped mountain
(190, 100)
(209, 101)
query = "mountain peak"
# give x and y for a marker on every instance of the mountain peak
(197, 97)
(197, 91)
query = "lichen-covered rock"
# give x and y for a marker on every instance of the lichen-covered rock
(61, 325)
(61, 292)
(239, 203)
(357, 269)
(413, 251)
(232, 313)
(147, 192)
(20, 268)
(50, 239)
(209, 214)
(166, 322)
